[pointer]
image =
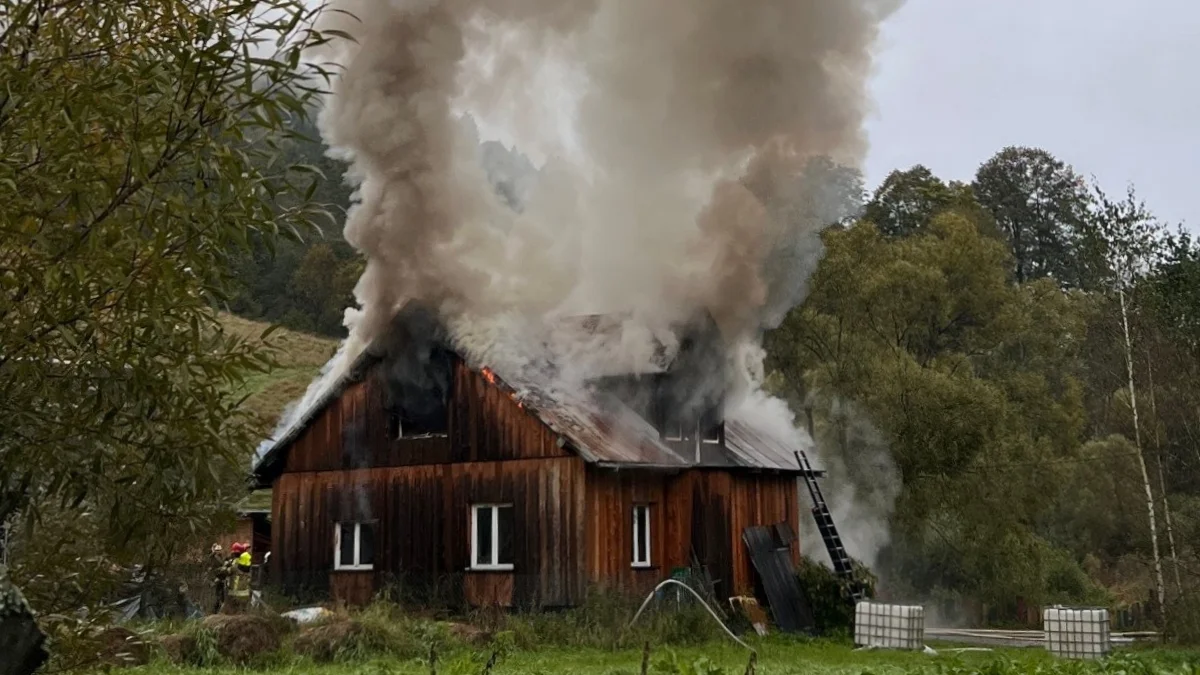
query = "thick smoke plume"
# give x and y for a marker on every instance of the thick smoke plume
(690, 152)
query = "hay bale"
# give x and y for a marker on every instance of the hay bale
(472, 635)
(324, 642)
(117, 646)
(181, 649)
(241, 637)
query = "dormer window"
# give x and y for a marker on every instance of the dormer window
(709, 427)
(672, 430)
(395, 425)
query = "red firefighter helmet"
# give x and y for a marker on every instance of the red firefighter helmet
(239, 547)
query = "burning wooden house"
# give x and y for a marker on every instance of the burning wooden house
(419, 467)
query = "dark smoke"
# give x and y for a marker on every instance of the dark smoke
(690, 150)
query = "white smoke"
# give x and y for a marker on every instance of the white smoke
(862, 480)
(688, 152)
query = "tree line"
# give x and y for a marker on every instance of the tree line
(1023, 347)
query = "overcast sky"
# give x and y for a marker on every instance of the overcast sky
(1109, 86)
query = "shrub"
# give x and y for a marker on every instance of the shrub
(1183, 616)
(830, 596)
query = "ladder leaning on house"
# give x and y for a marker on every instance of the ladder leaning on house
(843, 566)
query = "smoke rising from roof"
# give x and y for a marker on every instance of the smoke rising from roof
(694, 122)
(703, 147)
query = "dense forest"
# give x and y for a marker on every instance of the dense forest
(1002, 373)
(1019, 354)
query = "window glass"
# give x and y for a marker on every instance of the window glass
(641, 535)
(483, 535)
(346, 547)
(505, 514)
(366, 544)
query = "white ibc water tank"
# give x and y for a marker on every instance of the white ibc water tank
(889, 626)
(1076, 633)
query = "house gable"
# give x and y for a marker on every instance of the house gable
(354, 430)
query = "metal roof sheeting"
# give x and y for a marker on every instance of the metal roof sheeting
(599, 427)
(753, 447)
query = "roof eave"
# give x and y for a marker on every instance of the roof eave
(642, 466)
(263, 473)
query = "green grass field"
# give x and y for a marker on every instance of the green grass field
(775, 656)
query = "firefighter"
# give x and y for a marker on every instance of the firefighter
(238, 573)
(220, 579)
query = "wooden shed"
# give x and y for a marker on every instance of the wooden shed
(252, 525)
(420, 468)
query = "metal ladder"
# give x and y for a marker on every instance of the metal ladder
(842, 565)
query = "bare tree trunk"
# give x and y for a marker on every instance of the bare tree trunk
(1159, 585)
(1162, 482)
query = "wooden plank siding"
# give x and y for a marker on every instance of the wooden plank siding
(485, 425)
(759, 499)
(488, 425)
(611, 496)
(352, 588)
(697, 515)
(423, 529)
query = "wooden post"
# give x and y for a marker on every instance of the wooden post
(21, 641)
(432, 659)
(646, 657)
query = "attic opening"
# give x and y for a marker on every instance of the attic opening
(417, 393)
(710, 426)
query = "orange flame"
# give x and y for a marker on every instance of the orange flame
(490, 375)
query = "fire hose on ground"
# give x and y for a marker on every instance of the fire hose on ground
(697, 596)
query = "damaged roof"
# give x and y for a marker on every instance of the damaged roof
(600, 345)
(596, 425)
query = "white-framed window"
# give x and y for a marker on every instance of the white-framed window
(641, 535)
(492, 537)
(354, 546)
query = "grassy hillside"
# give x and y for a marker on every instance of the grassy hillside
(300, 357)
